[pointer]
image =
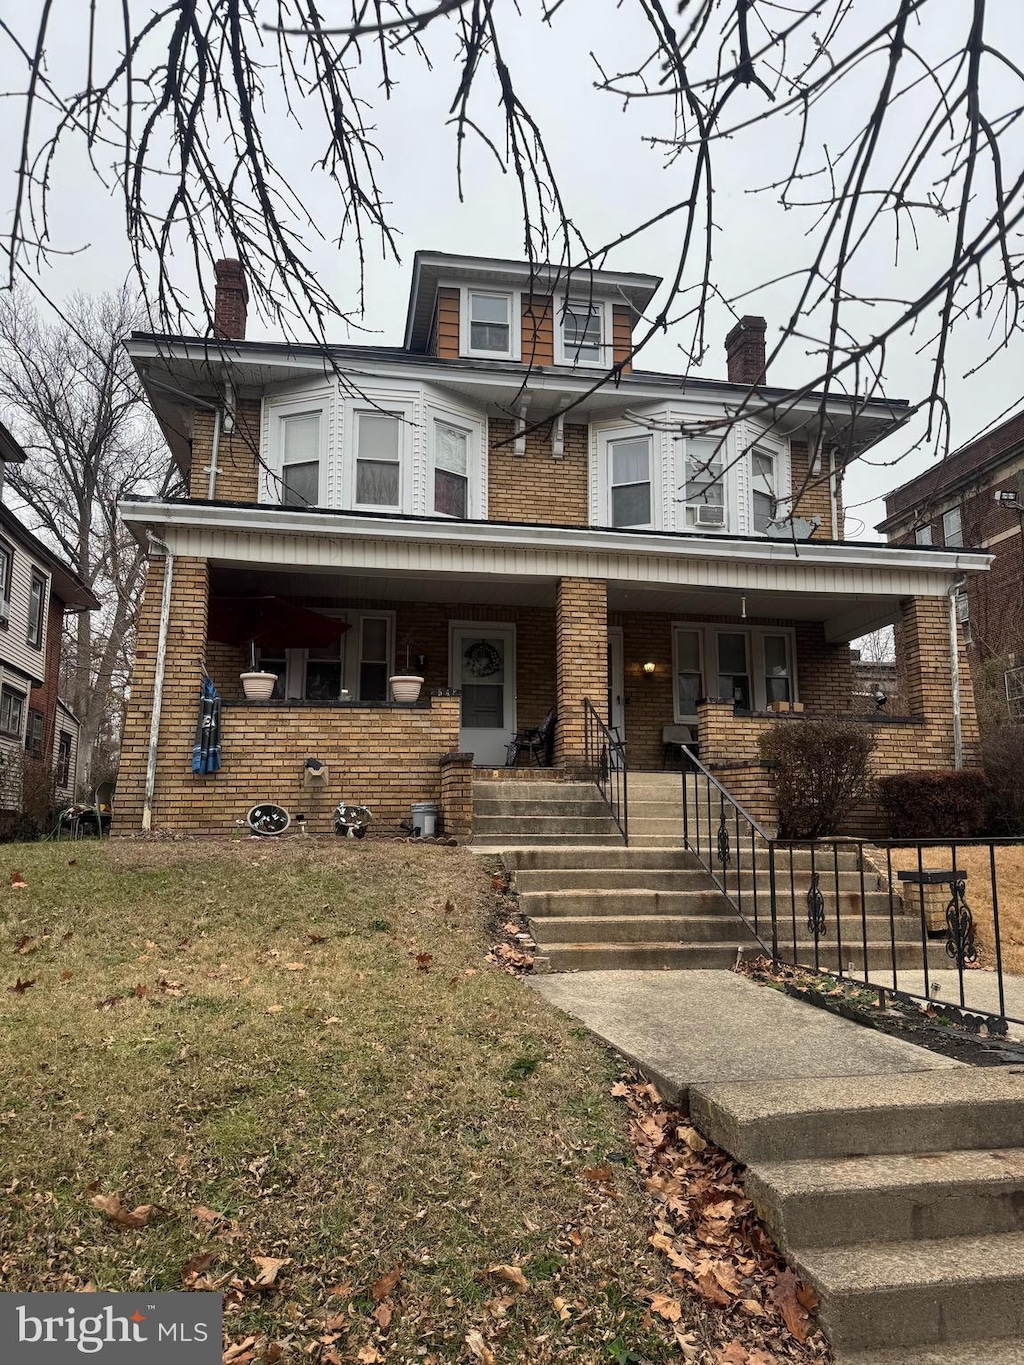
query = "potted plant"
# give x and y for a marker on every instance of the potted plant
(257, 684)
(405, 684)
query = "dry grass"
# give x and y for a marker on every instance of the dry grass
(350, 1114)
(1009, 864)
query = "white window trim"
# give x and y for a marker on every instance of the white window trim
(515, 328)
(277, 409)
(708, 633)
(563, 357)
(297, 659)
(957, 512)
(404, 411)
(602, 440)
(471, 433)
(751, 438)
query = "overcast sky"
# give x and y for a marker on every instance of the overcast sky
(610, 179)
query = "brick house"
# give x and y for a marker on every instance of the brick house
(37, 589)
(974, 497)
(528, 532)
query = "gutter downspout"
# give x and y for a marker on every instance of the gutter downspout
(833, 492)
(212, 468)
(954, 670)
(158, 682)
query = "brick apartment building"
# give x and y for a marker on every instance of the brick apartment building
(975, 497)
(529, 531)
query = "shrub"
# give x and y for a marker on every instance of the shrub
(935, 805)
(1002, 755)
(821, 772)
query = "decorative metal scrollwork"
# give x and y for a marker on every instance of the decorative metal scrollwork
(724, 850)
(816, 907)
(960, 945)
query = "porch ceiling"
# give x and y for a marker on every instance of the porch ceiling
(845, 616)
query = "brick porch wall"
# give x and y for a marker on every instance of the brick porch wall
(581, 642)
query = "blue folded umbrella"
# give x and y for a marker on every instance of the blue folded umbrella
(206, 750)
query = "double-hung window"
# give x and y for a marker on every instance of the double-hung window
(689, 672)
(762, 485)
(582, 326)
(923, 535)
(36, 609)
(34, 734)
(451, 470)
(374, 657)
(953, 528)
(734, 667)
(489, 321)
(778, 672)
(300, 459)
(12, 711)
(630, 478)
(378, 459)
(6, 567)
(705, 484)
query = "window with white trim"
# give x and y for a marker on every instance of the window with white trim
(36, 609)
(687, 651)
(489, 323)
(705, 485)
(300, 458)
(6, 567)
(583, 332)
(451, 469)
(357, 669)
(953, 528)
(12, 712)
(378, 446)
(763, 485)
(751, 666)
(630, 480)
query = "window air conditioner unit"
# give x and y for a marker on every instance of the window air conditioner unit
(708, 514)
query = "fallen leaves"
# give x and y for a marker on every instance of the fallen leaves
(110, 1204)
(423, 961)
(20, 987)
(269, 1269)
(706, 1227)
(18, 882)
(512, 1274)
(479, 1348)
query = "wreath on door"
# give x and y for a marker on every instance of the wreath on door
(482, 659)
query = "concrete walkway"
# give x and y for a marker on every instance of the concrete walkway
(691, 1028)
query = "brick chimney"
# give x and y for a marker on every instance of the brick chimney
(230, 299)
(744, 349)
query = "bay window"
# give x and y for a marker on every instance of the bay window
(763, 486)
(630, 479)
(378, 459)
(451, 470)
(705, 484)
(300, 459)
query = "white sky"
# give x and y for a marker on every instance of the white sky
(610, 180)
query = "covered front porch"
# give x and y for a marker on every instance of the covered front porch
(666, 637)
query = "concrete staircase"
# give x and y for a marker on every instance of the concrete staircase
(523, 812)
(655, 810)
(900, 1198)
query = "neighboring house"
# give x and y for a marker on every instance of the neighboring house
(975, 497)
(531, 533)
(36, 589)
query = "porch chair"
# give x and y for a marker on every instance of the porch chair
(673, 737)
(537, 743)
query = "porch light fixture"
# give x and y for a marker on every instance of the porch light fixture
(649, 667)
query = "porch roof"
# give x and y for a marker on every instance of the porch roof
(851, 585)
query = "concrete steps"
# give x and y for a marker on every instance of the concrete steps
(900, 1198)
(522, 812)
(621, 929)
(647, 957)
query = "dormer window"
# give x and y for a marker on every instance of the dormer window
(489, 324)
(583, 331)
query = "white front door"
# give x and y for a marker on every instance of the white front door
(616, 682)
(483, 665)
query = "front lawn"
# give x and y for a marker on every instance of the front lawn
(298, 1052)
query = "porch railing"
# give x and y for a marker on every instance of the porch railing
(605, 761)
(919, 920)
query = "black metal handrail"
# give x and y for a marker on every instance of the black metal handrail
(731, 847)
(853, 922)
(605, 758)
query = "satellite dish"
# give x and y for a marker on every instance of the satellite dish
(793, 528)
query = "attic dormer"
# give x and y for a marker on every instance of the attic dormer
(474, 308)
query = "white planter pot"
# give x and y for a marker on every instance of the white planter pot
(405, 687)
(258, 686)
